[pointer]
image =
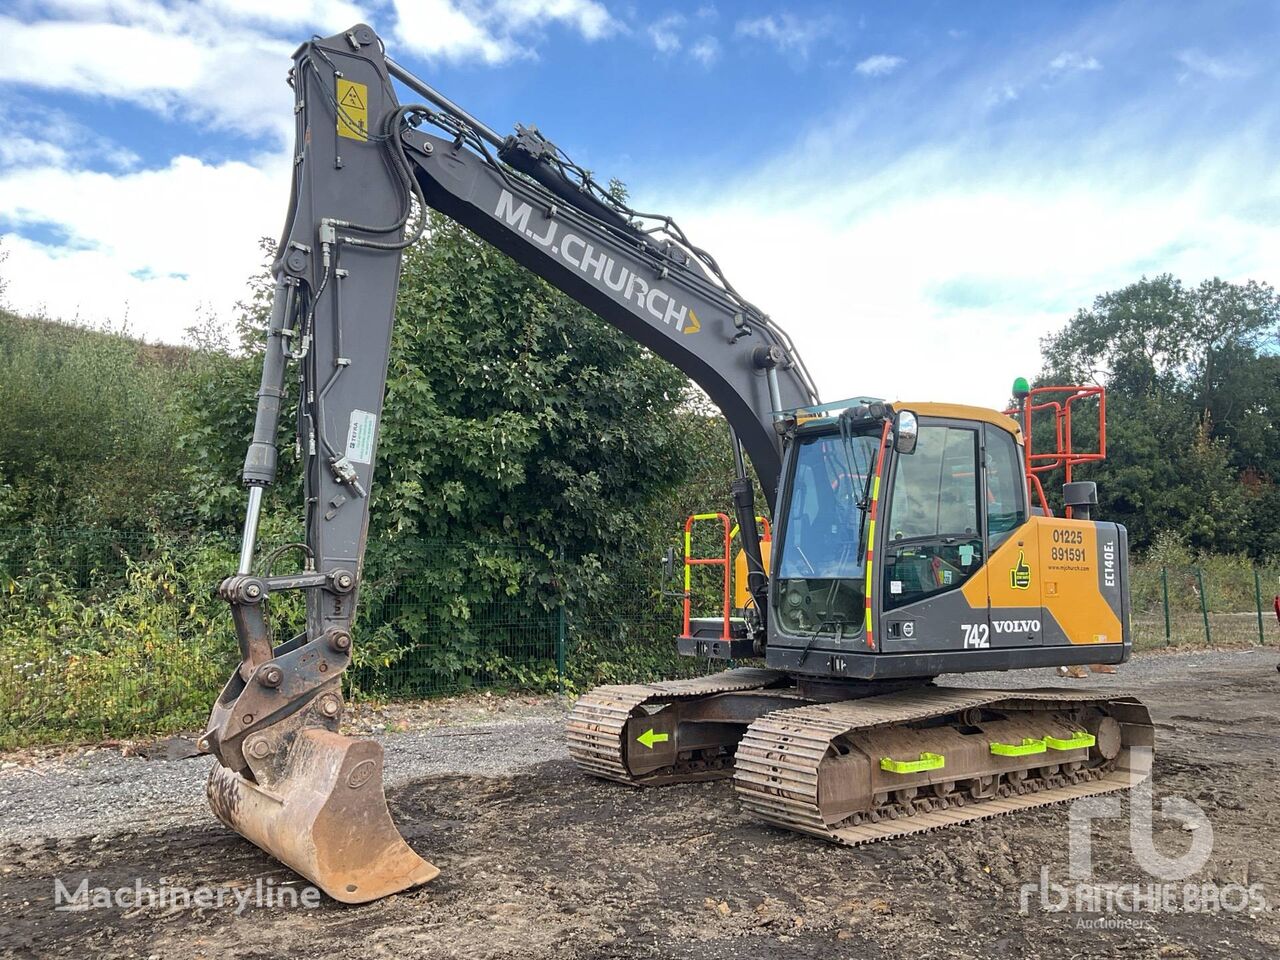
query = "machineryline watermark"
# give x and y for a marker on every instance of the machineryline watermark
(166, 896)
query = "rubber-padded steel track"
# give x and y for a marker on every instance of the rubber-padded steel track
(776, 768)
(597, 725)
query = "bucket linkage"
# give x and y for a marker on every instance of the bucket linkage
(286, 779)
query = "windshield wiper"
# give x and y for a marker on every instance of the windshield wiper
(846, 436)
(863, 505)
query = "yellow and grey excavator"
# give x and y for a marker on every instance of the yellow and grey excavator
(906, 542)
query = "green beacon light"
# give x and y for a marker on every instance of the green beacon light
(1021, 388)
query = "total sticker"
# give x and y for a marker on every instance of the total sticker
(360, 436)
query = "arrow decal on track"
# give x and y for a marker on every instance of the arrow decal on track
(649, 738)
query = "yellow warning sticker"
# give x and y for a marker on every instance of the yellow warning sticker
(692, 324)
(353, 110)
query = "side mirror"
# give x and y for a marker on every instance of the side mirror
(669, 563)
(906, 430)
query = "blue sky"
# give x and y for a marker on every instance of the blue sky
(917, 191)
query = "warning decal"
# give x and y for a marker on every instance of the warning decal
(353, 110)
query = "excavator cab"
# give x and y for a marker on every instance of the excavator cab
(908, 543)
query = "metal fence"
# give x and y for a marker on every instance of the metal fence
(114, 634)
(1222, 602)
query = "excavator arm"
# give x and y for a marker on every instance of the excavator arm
(365, 169)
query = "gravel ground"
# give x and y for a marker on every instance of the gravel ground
(100, 790)
(1144, 667)
(542, 863)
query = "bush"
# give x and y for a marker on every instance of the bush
(129, 640)
(90, 428)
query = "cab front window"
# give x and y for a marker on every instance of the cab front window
(821, 571)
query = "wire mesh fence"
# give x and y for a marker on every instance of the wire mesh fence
(1224, 601)
(106, 633)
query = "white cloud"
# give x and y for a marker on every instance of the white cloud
(664, 33)
(1214, 68)
(789, 33)
(1001, 94)
(155, 245)
(589, 18)
(163, 243)
(17, 150)
(437, 28)
(39, 135)
(225, 61)
(233, 79)
(879, 65)
(706, 51)
(1071, 62)
(934, 276)
(330, 15)
(496, 32)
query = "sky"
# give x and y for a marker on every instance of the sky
(917, 191)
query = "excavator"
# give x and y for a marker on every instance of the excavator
(909, 540)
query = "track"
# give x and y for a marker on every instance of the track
(780, 776)
(814, 768)
(596, 728)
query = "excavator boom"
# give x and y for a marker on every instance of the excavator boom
(363, 176)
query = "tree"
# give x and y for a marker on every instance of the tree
(219, 401)
(89, 429)
(1193, 392)
(512, 411)
(525, 449)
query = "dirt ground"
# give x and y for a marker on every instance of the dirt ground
(540, 862)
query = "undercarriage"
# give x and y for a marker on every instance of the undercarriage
(858, 763)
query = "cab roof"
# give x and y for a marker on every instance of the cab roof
(961, 411)
(828, 412)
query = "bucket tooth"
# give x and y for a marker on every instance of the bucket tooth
(325, 816)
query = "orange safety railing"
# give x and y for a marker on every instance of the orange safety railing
(1064, 455)
(725, 561)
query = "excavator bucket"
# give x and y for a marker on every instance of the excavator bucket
(325, 816)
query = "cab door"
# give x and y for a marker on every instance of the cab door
(934, 544)
(1013, 585)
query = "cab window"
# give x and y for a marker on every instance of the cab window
(820, 587)
(935, 540)
(824, 513)
(1005, 485)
